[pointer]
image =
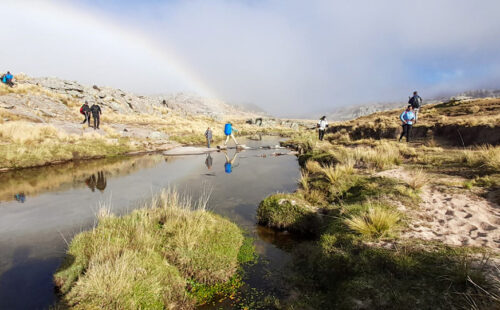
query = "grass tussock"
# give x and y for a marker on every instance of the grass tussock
(418, 178)
(144, 260)
(289, 212)
(376, 222)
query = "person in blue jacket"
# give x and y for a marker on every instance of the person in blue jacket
(228, 131)
(228, 165)
(407, 117)
(7, 79)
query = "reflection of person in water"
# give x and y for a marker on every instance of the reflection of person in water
(209, 161)
(20, 197)
(228, 166)
(101, 181)
(91, 182)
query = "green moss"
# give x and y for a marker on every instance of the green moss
(288, 211)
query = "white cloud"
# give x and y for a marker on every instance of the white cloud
(289, 57)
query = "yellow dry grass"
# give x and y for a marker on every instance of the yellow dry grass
(25, 144)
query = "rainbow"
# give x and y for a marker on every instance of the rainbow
(165, 57)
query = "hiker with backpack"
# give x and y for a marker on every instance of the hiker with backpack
(407, 117)
(85, 110)
(415, 102)
(7, 79)
(322, 125)
(228, 131)
(96, 113)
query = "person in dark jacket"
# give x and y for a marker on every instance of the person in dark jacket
(415, 102)
(96, 113)
(85, 110)
(208, 136)
(407, 118)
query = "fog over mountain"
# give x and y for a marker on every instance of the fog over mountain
(290, 58)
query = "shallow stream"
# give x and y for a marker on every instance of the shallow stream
(42, 209)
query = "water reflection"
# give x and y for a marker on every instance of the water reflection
(228, 165)
(209, 161)
(17, 185)
(20, 197)
(99, 182)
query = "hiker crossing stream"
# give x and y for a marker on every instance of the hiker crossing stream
(42, 209)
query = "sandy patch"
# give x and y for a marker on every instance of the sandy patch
(462, 219)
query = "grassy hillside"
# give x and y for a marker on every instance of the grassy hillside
(462, 122)
(395, 225)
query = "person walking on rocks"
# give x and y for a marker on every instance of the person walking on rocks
(228, 131)
(415, 102)
(322, 125)
(208, 136)
(96, 113)
(85, 110)
(407, 117)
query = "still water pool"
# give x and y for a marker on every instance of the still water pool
(42, 209)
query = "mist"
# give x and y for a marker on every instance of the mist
(291, 58)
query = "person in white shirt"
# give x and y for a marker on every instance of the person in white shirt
(322, 125)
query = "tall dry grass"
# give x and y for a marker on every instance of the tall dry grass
(25, 144)
(487, 157)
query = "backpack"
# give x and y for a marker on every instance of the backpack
(414, 102)
(81, 110)
(227, 129)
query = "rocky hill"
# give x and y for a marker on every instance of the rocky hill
(125, 102)
(40, 122)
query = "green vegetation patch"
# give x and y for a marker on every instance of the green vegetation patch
(165, 256)
(290, 212)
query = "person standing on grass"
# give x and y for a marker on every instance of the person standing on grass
(407, 117)
(228, 131)
(96, 113)
(322, 125)
(415, 102)
(208, 136)
(85, 110)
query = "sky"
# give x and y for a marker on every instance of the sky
(289, 57)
